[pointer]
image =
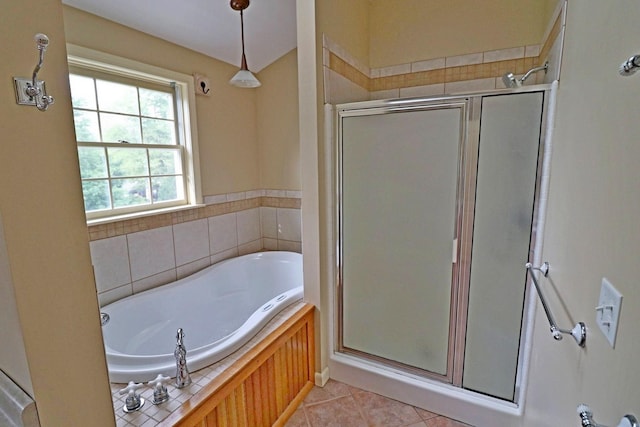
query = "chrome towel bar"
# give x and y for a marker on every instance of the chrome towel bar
(579, 331)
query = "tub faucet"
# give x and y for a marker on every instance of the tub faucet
(183, 378)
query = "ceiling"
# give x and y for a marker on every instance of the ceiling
(210, 27)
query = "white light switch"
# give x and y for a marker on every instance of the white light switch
(608, 310)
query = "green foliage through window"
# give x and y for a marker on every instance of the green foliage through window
(127, 145)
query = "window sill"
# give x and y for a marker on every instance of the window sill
(126, 217)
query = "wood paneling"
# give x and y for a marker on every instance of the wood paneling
(263, 388)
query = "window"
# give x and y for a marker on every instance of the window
(135, 144)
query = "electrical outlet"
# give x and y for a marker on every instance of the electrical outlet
(608, 310)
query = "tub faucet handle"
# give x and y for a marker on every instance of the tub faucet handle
(133, 402)
(160, 392)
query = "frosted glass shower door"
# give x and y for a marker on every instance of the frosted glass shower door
(505, 194)
(399, 175)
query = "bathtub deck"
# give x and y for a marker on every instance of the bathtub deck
(202, 381)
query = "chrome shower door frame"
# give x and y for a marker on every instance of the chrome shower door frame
(471, 106)
(389, 107)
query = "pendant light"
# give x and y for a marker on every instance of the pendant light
(243, 78)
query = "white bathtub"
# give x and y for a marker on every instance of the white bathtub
(219, 308)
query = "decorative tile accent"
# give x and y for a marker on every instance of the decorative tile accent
(428, 65)
(461, 60)
(470, 85)
(428, 90)
(216, 205)
(532, 51)
(218, 198)
(553, 35)
(236, 196)
(394, 70)
(340, 66)
(383, 82)
(504, 54)
(385, 94)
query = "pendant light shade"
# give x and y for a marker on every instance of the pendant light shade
(243, 78)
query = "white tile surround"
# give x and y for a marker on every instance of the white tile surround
(131, 263)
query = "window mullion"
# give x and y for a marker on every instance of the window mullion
(106, 156)
(149, 175)
(140, 119)
(95, 90)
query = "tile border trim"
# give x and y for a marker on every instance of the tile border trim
(457, 68)
(215, 205)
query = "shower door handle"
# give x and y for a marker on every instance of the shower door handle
(454, 255)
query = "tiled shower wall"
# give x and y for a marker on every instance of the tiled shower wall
(135, 255)
(348, 80)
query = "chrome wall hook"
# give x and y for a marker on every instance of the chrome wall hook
(32, 91)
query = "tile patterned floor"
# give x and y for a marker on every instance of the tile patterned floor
(339, 405)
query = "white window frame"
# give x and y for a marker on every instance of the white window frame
(186, 115)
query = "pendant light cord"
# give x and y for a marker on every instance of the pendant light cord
(243, 65)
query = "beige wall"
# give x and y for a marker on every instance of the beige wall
(404, 31)
(592, 221)
(228, 149)
(13, 358)
(277, 124)
(45, 230)
(348, 24)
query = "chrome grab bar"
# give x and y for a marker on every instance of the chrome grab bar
(579, 331)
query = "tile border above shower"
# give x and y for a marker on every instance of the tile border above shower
(434, 76)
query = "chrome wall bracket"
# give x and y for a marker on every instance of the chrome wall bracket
(578, 332)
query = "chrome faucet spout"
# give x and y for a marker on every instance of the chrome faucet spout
(183, 378)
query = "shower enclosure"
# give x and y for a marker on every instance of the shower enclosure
(435, 218)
